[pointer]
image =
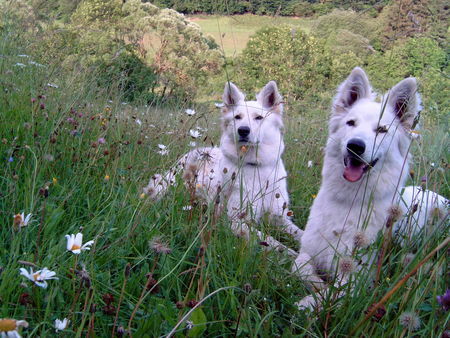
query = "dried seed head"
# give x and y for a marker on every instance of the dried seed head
(394, 214)
(409, 320)
(158, 245)
(346, 265)
(192, 303)
(247, 287)
(127, 270)
(360, 240)
(409, 257)
(379, 313)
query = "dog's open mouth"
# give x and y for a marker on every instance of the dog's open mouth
(354, 168)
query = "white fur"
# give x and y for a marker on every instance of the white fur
(420, 208)
(247, 177)
(344, 211)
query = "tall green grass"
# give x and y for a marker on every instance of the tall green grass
(55, 166)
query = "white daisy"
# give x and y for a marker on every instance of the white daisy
(194, 133)
(190, 112)
(187, 207)
(20, 220)
(310, 164)
(8, 327)
(192, 144)
(39, 277)
(139, 122)
(61, 324)
(75, 243)
(162, 149)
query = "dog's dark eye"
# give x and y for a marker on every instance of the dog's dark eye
(351, 123)
(237, 117)
(259, 117)
(381, 130)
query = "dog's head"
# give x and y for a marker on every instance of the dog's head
(247, 125)
(364, 132)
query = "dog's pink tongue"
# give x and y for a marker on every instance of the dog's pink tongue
(353, 173)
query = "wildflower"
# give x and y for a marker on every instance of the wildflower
(139, 122)
(194, 133)
(21, 221)
(8, 327)
(189, 325)
(107, 177)
(39, 277)
(190, 112)
(52, 85)
(49, 157)
(162, 149)
(219, 104)
(310, 164)
(74, 243)
(187, 207)
(61, 324)
(54, 180)
(142, 195)
(444, 300)
(159, 246)
(10, 159)
(101, 140)
(192, 144)
(409, 320)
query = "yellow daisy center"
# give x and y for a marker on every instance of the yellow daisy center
(36, 276)
(75, 247)
(7, 325)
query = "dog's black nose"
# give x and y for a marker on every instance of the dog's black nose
(356, 146)
(243, 131)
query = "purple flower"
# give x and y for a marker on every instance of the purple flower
(70, 120)
(101, 140)
(444, 300)
(10, 159)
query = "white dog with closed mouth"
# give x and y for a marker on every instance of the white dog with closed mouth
(245, 173)
(365, 168)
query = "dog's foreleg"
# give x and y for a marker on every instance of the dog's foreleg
(158, 184)
(303, 267)
(243, 230)
(292, 229)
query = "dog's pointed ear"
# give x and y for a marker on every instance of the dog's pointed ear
(405, 101)
(270, 98)
(232, 96)
(354, 88)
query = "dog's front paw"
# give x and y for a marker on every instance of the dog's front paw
(308, 303)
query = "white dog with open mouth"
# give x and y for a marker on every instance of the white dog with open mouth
(245, 174)
(365, 168)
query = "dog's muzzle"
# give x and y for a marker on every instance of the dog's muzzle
(354, 165)
(243, 133)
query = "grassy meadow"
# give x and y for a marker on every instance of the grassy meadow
(76, 156)
(232, 32)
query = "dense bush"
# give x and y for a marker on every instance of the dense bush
(269, 7)
(297, 61)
